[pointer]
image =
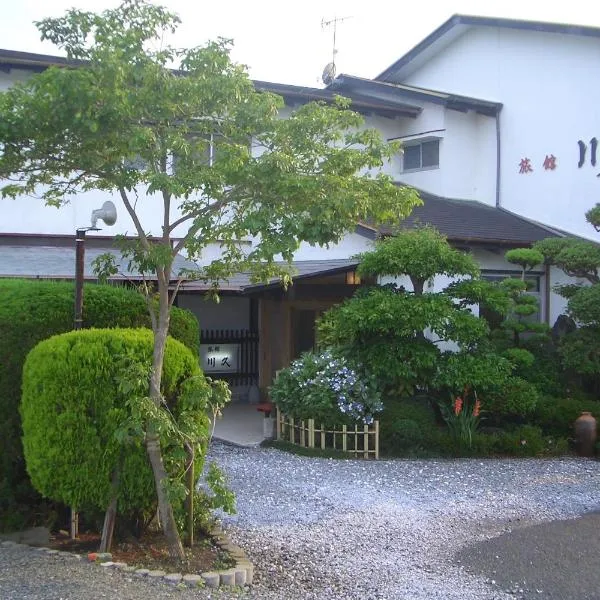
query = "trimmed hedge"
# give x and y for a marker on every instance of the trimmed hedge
(82, 400)
(31, 311)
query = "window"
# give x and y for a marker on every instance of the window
(425, 155)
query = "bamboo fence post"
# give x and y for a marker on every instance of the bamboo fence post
(302, 434)
(344, 438)
(376, 440)
(356, 440)
(278, 424)
(322, 436)
(311, 433)
(292, 431)
(366, 440)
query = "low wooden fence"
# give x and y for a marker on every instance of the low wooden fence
(360, 441)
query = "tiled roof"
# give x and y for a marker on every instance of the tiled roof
(353, 86)
(473, 221)
(302, 269)
(58, 262)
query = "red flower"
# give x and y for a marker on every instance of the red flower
(458, 403)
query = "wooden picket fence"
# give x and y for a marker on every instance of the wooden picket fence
(360, 441)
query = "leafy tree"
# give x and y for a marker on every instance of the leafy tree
(199, 144)
(383, 327)
(579, 349)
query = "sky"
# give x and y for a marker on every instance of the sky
(286, 42)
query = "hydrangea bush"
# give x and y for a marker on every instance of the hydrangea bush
(326, 388)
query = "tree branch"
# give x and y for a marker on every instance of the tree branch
(174, 294)
(211, 208)
(135, 219)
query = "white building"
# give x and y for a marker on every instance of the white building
(499, 128)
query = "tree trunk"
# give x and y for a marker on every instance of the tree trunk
(191, 483)
(418, 285)
(152, 440)
(164, 506)
(111, 513)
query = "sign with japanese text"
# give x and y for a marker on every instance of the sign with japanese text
(219, 358)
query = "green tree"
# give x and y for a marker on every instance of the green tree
(383, 327)
(210, 153)
(579, 258)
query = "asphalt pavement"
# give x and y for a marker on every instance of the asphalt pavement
(559, 560)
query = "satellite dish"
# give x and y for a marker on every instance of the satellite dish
(108, 214)
(328, 73)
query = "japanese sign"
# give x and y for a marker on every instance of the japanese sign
(219, 358)
(526, 166)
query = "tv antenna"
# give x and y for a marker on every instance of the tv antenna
(329, 70)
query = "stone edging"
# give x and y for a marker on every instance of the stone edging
(241, 574)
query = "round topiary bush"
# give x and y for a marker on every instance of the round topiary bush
(84, 408)
(515, 398)
(31, 311)
(406, 426)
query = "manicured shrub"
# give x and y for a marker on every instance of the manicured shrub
(84, 408)
(514, 398)
(406, 426)
(326, 388)
(31, 311)
(526, 440)
(556, 416)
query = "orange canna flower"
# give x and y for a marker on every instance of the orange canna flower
(458, 403)
(477, 408)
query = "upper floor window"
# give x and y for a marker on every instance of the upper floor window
(423, 155)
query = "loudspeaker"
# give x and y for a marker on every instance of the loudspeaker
(108, 214)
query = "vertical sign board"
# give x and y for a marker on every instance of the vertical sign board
(220, 358)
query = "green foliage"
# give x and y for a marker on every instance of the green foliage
(418, 253)
(214, 495)
(526, 258)
(483, 370)
(383, 327)
(480, 291)
(576, 257)
(515, 397)
(31, 311)
(525, 440)
(584, 305)
(406, 426)
(580, 351)
(593, 217)
(328, 389)
(84, 412)
(556, 416)
(522, 359)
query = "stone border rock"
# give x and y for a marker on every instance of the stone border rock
(240, 575)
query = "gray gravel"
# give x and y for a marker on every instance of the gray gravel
(330, 529)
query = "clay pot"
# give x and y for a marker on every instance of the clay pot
(585, 434)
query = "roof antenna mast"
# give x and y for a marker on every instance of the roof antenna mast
(329, 70)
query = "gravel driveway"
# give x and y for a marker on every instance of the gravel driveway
(330, 529)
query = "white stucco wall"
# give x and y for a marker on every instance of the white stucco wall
(549, 85)
(350, 245)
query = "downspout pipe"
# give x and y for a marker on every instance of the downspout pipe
(498, 148)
